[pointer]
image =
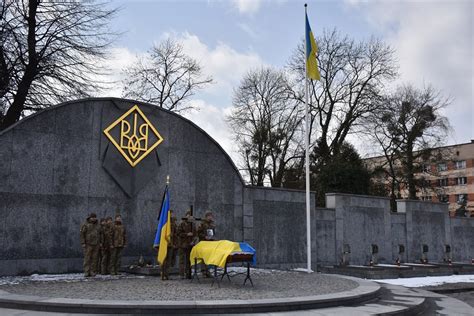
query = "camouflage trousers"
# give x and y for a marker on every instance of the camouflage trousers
(106, 254)
(99, 261)
(91, 256)
(115, 260)
(184, 263)
(169, 261)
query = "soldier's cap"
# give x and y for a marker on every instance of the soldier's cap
(208, 213)
(91, 215)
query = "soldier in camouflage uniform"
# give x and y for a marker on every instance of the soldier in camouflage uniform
(101, 238)
(119, 241)
(170, 259)
(186, 236)
(206, 232)
(90, 242)
(207, 229)
(107, 235)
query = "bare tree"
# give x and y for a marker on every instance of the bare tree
(266, 122)
(165, 76)
(5, 68)
(407, 126)
(385, 169)
(353, 74)
(50, 52)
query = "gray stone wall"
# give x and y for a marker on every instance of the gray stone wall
(361, 221)
(324, 236)
(399, 236)
(462, 239)
(427, 223)
(52, 177)
(275, 222)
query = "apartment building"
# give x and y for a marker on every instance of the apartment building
(448, 176)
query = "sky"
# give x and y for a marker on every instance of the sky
(433, 40)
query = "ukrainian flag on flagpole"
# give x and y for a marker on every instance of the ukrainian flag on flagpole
(163, 231)
(311, 52)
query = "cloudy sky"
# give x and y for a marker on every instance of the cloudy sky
(434, 42)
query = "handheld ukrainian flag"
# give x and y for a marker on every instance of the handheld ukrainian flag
(163, 232)
(312, 70)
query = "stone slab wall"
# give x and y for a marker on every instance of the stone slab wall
(361, 221)
(462, 239)
(275, 222)
(427, 223)
(324, 236)
(52, 177)
(399, 237)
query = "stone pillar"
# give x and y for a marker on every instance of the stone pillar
(360, 222)
(427, 223)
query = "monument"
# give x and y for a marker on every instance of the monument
(112, 156)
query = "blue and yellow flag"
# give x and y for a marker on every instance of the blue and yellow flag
(312, 70)
(163, 232)
(215, 253)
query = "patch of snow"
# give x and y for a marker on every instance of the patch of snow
(429, 281)
(302, 270)
(418, 265)
(69, 277)
(253, 270)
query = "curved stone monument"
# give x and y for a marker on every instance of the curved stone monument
(105, 156)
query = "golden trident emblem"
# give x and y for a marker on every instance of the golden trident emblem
(136, 133)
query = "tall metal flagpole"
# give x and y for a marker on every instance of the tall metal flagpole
(306, 141)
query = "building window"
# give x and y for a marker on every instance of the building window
(426, 198)
(461, 197)
(443, 182)
(461, 180)
(460, 164)
(442, 166)
(443, 198)
(424, 183)
(426, 168)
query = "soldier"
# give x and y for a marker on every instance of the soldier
(119, 241)
(170, 259)
(101, 238)
(107, 246)
(186, 235)
(206, 232)
(207, 229)
(90, 244)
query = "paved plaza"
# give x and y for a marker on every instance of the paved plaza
(267, 284)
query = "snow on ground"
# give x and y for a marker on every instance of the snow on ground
(429, 281)
(302, 270)
(69, 277)
(254, 270)
(79, 277)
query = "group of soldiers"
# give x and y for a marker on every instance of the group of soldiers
(102, 244)
(183, 237)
